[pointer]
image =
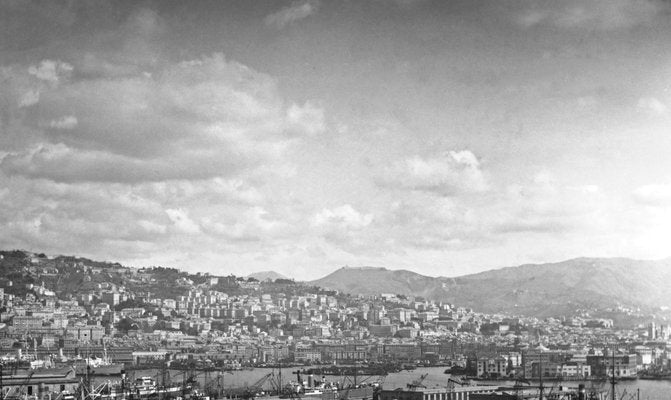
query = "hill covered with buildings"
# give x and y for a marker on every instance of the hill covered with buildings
(51, 308)
(616, 288)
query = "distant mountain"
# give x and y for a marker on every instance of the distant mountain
(370, 280)
(535, 289)
(266, 275)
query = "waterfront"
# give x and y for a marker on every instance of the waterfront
(435, 377)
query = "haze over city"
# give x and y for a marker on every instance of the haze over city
(445, 137)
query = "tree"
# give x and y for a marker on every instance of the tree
(127, 324)
(130, 303)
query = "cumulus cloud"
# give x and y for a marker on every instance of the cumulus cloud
(308, 118)
(418, 220)
(297, 11)
(345, 228)
(252, 224)
(42, 214)
(139, 221)
(50, 71)
(547, 207)
(653, 195)
(115, 151)
(182, 222)
(200, 118)
(426, 222)
(449, 174)
(62, 163)
(652, 105)
(345, 217)
(67, 122)
(597, 14)
(29, 98)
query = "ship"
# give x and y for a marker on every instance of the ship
(144, 387)
(325, 390)
(97, 367)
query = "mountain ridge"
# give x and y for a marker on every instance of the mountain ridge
(556, 288)
(567, 287)
(266, 275)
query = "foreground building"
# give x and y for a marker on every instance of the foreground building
(456, 393)
(39, 384)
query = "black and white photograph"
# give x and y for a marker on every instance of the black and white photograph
(335, 199)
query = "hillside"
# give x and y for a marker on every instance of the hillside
(266, 275)
(21, 271)
(614, 287)
(541, 290)
(369, 280)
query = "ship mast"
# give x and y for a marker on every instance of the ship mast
(612, 378)
(540, 374)
(279, 364)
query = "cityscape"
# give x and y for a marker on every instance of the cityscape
(101, 319)
(335, 199)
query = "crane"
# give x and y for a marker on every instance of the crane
(250, 391)
(451, 383)
(217, 388)
(417, 383)
(257, 387)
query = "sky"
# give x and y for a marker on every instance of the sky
(443, 137)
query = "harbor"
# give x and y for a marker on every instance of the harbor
(233, 384)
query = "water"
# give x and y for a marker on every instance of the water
(625, 390)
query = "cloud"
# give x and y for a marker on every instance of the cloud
(422, 221)
(652, 105)
(40, 214)
(297, 11)
(345, 217)
(200, 118)
(545, 206)
(62, 163)
(67, 122)
(308, 118)
(115, 151)
(29, 98)
(653, 195)
(253, 224)
(345, 229)
(142, 220)
(452, 173)
(182, 222)
(50, 71)
(596, 14)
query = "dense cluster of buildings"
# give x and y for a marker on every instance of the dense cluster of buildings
(252, 327)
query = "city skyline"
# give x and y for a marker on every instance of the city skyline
(442, 137)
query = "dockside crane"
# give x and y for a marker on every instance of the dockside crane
(250, 391)
(257, 387)
(451, 383)
(417, 383)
